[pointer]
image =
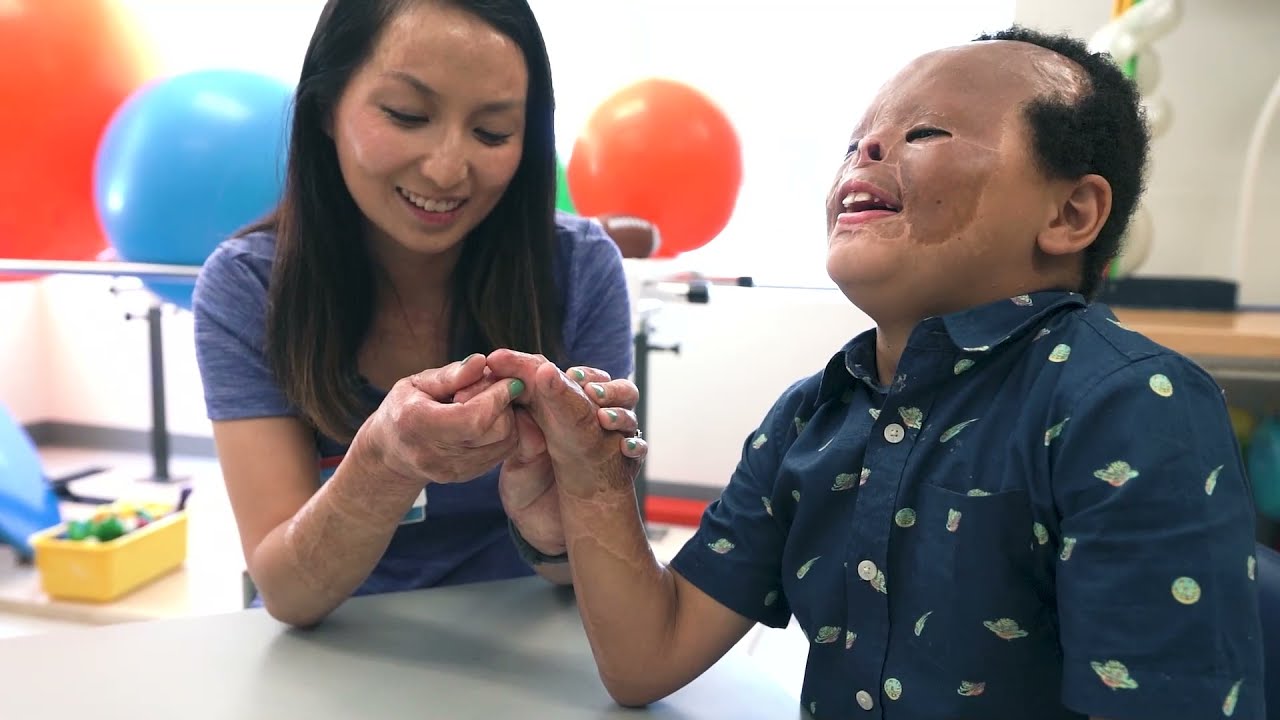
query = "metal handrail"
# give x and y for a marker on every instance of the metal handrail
(150, 271)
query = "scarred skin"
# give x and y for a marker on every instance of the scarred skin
(977, 221)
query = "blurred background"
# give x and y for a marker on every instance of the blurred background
(116, 111)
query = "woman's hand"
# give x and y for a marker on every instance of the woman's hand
(617, 400)
(526, 484)
(589, 446)
(423, 433)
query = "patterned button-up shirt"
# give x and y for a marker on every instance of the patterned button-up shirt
(1044, 516)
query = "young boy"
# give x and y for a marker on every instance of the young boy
(1000, 503)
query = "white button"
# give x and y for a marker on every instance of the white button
(894, 433)
(864, 700)
(866, 570)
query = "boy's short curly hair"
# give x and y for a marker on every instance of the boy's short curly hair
(1101, 130)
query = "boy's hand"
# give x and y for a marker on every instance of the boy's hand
(616, 400)
(586, 452)
(527, 481)
(526, 485)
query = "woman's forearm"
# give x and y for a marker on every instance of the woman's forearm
(558, 574)
(311, 563)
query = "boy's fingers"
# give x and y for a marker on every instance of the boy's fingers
(513, 364)
(620, 419)
(561, 402)
(613, 393)
(635, 447)
(582, 375)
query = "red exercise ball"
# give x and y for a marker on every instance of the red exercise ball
(662, 151)
(65, 66)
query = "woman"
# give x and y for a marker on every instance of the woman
(417, 227)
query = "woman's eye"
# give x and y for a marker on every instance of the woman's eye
(490, 138)
(405, 119)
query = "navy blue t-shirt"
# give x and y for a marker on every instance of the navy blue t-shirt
(463, 534)
(1043, 516)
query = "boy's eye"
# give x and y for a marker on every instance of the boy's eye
(925, 132)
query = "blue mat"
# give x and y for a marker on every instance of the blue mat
(27, 502)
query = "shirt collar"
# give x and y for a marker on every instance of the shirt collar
(979, 329)
(842, 368)
(987, 327)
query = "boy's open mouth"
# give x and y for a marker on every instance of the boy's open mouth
(862, 201)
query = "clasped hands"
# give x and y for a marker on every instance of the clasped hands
(452, 424)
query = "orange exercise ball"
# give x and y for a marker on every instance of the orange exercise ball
(65, 66)
(661, 151)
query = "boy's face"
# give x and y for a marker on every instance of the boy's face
(938, 205)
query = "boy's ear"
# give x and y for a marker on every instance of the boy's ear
(1084, 206)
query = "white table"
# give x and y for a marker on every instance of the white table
(512, 649)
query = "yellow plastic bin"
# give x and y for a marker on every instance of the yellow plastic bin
(105, 571)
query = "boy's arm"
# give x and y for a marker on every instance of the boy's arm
(650, 629)
(1155, 579)
(653, 628)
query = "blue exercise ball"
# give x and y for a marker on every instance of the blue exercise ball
(185, 162)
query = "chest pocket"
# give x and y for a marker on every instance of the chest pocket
(976, 606)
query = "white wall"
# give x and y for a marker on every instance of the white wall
(23, 351)
(737, 353)
(793, 76)
(100, 365)
(1216, 69)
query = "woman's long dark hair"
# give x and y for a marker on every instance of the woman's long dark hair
(321, 298)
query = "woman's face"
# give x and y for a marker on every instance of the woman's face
(429, 131)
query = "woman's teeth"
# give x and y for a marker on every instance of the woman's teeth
(436, 206)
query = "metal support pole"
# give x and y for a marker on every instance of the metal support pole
(159, 422)
(160, 449)
(695, 292)
(642, 404)
(643, 347)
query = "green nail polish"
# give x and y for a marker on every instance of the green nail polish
(598, 389)
(613, 415)
(579, 375)
(632, 444)
(517, 387)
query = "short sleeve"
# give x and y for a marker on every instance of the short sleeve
(229, 304)
(1156, 594)
(735, 556)
(598, 317)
